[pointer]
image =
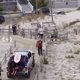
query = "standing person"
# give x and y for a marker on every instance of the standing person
(14, 29)
(38, 25)
(36, 33)
(55, 34)
(23, 33)
(37, 28)
(39, 46)
(41, 32)
(45, 33)
(18, 29)
(75, 31)
(52, 37)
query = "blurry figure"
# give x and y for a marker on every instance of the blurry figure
(75, 31)
(31, 34)
(39, 46)
(14, 29)
(22, 33)
(19, 29)
(38, 25)
(66, 3)
(36, 30)
(45, 33)
(41, 32)
(36, 33)
(54, 35)
(46, 30)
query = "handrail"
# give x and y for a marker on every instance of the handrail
(5, 58)
(19, 6)
(30, 6)
(7, 54)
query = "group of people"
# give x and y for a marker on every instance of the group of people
(40, 33)
(17, 30)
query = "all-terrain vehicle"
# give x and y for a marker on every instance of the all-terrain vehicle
(20, 63)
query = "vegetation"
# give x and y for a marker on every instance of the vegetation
(33, 2)
(77, 51)
(69, 56)
(39, 3)
(70, 51)
(78, 8)
(45, 61)
(42, 3)
(1, 8)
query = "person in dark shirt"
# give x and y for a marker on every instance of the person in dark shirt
(14, 29)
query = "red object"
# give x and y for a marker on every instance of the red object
(38, 44)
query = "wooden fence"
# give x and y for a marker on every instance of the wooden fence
(31, 33)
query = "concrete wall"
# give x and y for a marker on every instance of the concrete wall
(64, 3)
(1, 0)
(9, 6)
(23, 1)
(78, 3)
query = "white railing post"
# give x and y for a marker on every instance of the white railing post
(30, 6)
(14, 44)
(19, 6)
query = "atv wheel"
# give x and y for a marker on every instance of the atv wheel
(9, 75)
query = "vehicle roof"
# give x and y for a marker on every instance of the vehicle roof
(23, 53)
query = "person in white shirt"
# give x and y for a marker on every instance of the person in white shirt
(41, 32)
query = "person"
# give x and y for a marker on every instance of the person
(39, 47)
(66, 3)
(41, 32)
(54, 35)
(18, 27)
(36, 29)
(38, 25)
(75, 31)
(14, 29)
(11, 66)
(45, 33)
(23, 33)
